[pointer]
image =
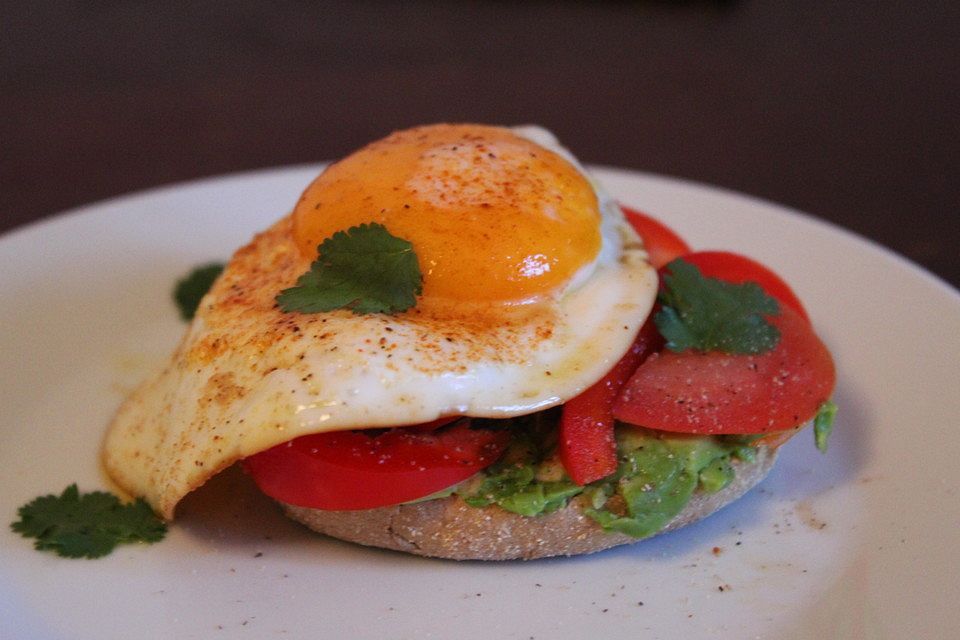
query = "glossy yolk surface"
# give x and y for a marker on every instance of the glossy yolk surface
(493, 217)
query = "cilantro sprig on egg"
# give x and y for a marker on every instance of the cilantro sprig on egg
(364, 269)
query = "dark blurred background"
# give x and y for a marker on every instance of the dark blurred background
(847, 110)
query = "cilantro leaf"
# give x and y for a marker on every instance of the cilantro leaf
(823, 424)
(88, 525)
(191, 288)
(364, 269)
(708, 314)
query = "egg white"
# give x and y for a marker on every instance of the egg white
(247, 377)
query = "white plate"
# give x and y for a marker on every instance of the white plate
(862, 542)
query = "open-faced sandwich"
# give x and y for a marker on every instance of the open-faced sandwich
(458, 345)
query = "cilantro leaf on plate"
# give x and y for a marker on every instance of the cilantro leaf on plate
(708, 314)
(364, 269)
(192, 287)
(87, 525)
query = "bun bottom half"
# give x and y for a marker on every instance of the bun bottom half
(449, 528)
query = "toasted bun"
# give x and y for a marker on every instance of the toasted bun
(449, 528)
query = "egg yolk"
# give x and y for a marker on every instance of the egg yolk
(492, 216)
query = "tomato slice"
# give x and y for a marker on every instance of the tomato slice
(587, 447)
(351, 470)
(433, 425)
(714, 392)
(661, 242)
(733, 267)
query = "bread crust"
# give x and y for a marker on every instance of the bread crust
(449, 528)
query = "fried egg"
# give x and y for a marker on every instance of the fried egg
(533, 287)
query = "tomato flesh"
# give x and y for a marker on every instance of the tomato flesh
(586, 446)
(714, 392)
(661, 242)
(352, 470)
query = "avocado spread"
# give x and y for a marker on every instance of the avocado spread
(656, 475)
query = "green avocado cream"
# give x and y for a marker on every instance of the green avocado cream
(656, 475)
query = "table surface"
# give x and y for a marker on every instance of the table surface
(848, 111)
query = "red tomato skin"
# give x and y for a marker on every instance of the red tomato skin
(353, 470)
(586, 446)
(713, 392)
(733, 267)
(661, 242)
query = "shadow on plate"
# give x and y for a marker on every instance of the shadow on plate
(802, 472)
(229, 511)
